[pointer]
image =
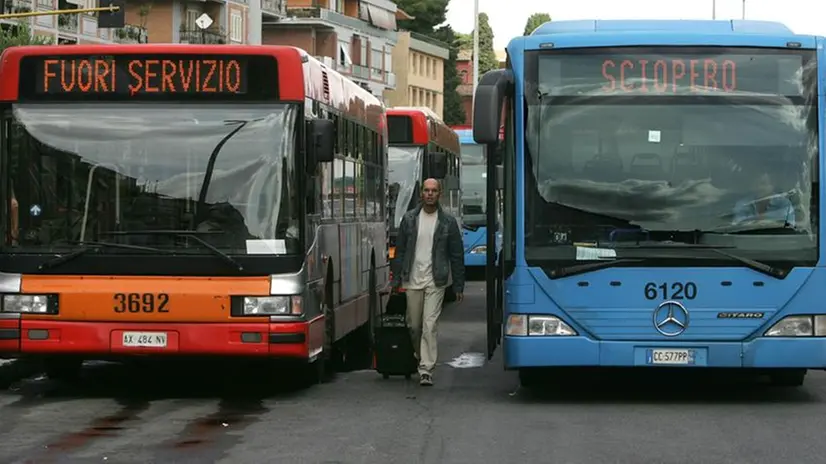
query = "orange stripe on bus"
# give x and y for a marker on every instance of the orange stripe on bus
(157, 299)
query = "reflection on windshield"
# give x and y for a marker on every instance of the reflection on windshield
(111, 173)
(612, 172)
(404, 173)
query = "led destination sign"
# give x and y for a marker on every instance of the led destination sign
(671, 74)
(142, 77)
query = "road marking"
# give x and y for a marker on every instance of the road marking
(468, 360)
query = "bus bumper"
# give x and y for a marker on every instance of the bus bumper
(104, 340)
(523, 352)
(474, 260)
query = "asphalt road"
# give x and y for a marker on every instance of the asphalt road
(472, 415)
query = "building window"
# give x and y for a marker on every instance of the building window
(376, 58)
(388, 60)
(191, 16)
(236, 29)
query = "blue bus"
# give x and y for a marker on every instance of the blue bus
(661, 198)
(473, 200)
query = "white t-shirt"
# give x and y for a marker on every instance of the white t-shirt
(421, 276)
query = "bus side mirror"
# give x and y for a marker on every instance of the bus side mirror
(321, 135)
(487, 107)
(438, 165)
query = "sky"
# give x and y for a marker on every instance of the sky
(508, 17)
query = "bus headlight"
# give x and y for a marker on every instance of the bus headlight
(266, 306)
(522, 325)
(799, 326)
(30, 304)
(478, 250)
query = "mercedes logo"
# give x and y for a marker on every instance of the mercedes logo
(671, 318)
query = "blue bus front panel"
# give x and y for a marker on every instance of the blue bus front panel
(620, 317)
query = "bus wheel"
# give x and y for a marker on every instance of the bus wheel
(788, 378)
(63, 369)
(528, 378)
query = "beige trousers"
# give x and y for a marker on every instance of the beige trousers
(423, 310)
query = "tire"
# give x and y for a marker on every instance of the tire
(528, 378)
(788, 378)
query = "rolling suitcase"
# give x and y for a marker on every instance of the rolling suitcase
(394, 349)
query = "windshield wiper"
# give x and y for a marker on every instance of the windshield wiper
(93, 246)
(777, 273)
(750, 263)
(588, 267)
(193, 234)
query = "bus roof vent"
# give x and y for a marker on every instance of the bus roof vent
(663, 25)
(325, 82)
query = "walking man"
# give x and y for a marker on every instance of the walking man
(429, 257)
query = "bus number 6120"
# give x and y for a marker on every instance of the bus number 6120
(141, 302)
(673, 291)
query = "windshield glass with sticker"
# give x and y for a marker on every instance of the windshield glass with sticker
(125, 173)
(701, 146)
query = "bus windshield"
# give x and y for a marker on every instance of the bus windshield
(403, 174)
(709, 146)
(473, 184)
(125, 173)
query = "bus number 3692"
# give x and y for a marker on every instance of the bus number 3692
(141, 302)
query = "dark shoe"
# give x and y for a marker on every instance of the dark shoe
(426, 380)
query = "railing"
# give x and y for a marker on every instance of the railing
(277, 7)
(206, 36)
(429, 40)
(67, 22)
(130, 34)
(340, 19)
(391, 80)
(362, 72)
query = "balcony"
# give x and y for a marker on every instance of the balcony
(390, 82)
(274, 7)
(203, 36)
(130, 34)
(68, 23)
(329, 17)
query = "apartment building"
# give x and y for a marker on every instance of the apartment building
(419, 65)
(354, 37)
(464, 66)
(154, 21)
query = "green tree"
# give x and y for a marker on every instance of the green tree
(427, 14)
(464, 41)
(454, 112)
(487, 57)
(534, 21)
(21, 34)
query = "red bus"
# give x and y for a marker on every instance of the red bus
(422, 146)
(205, 200)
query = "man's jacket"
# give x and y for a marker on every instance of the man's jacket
(447, 255)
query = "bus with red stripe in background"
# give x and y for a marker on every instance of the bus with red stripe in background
(205, 201)
(421, 147)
